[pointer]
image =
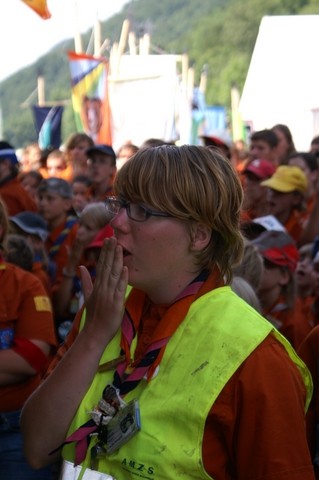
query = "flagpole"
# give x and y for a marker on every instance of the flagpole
(77, 35)
(41, 90)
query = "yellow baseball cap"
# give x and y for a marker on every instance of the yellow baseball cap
(287, 178)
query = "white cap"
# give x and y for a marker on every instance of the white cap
(269, 222)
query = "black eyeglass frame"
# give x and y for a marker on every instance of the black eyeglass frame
(122, 203)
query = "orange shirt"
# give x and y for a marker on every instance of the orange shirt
(40, 272)
(16, 197)
(292, 322)
(294, 225)
(309, 352)
(61, 257)
(25, 311)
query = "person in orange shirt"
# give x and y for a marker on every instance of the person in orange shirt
(285, 198)
(101, 171)
(309, 165)
(163, 329)
(81, 192)
(12, 192)
(34, 228)
(56, 165)
(255, 195)
(55, 202)
(305, 278)
(263, 144)
(27, 343)
(277, 289)
(75, 151)
(30, 181)
(67, 297)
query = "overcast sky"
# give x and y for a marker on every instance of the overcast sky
(24, 36)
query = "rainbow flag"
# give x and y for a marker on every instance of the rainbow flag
(40, 7)
(90, 96)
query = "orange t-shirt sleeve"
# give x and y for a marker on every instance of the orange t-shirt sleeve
(35, 312)
(256, 428)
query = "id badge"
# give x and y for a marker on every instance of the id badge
(123, 426)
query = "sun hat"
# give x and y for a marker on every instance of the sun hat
(287, 178)
(31, 223)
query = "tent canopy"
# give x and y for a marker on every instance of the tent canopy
(282, 84)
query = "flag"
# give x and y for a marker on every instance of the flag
(48, 125)
(90, 96)
(40, 7)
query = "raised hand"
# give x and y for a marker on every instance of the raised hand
(105, 299)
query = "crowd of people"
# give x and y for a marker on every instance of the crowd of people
(160, 310)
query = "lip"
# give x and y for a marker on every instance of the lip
(126, 252)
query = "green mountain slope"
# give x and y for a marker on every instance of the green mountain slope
(217, 34)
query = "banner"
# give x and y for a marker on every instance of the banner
(48, 122)
(40, 7)
(90, 96)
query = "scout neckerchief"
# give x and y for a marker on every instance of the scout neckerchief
(70, 221)
(129, 373)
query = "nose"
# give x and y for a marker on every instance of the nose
(119, 220)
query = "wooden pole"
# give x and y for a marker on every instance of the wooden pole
(237, 130)
(77, 35)
(41, 91)
(121, 46)
(132, 43)
(203, 80)
(97, 38)
(145, 44)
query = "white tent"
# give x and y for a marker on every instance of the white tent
(282, 84)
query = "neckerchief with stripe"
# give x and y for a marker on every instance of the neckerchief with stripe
(126, 380)
(70, 221)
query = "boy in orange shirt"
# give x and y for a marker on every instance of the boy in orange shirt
(55, 202)
(27, 343)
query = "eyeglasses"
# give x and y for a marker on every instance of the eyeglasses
(134, 211)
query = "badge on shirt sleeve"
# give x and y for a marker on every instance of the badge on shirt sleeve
(42, 304)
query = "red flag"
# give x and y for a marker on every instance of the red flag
(40, 7)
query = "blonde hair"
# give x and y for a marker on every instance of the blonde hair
(251, 267)
(245, 291)
(195, 185)
(97, 212)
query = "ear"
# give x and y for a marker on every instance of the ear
(200, 236)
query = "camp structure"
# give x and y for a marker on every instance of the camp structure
(149, 94)
(282, 84)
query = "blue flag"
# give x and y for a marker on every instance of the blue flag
(48, 122)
